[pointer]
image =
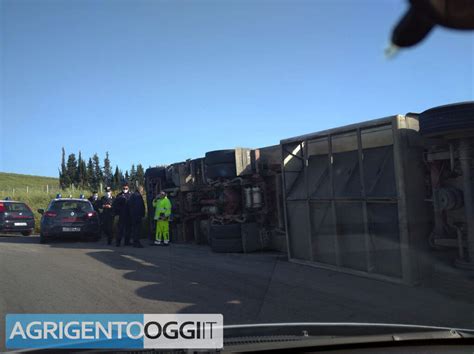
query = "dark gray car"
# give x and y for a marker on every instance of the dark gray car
(16, 217)
(69, 218)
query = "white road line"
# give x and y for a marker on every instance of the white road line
(140, 261)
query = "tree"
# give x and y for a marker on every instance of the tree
(98, 177)
(140, 175)
(116, 180)
(64, 181)
(83, 174)
(132, 178)
(90, 174)
(107, 170)
(71, 169)
(81, 177)
(126, 177)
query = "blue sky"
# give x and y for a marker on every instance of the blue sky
(156, 82)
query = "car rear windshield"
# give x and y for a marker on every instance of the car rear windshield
(76, 206)
(16, 207)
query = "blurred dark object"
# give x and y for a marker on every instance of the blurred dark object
(423, 15)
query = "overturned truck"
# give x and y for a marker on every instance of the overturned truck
(379, 198)
(230, 199)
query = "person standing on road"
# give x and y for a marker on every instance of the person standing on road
(107, 215)
(162, 207)
(136, 208)
(120, 208)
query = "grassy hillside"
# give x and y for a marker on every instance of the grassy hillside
(10, 181)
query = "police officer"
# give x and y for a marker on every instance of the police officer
(107, 215)
(136, 208)
(120, 207)
(94, 199)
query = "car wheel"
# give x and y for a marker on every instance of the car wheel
(223, 232)
(220, 156)
(447, 119)
(227, 245)
(27, 233)
(222, 170)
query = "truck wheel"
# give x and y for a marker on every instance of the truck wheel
(225, 232)
(222, 170)
(155, 172)
(220, 156)
(27, 233)
(447, 119)
(227, 245)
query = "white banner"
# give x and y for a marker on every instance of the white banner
(185, 331)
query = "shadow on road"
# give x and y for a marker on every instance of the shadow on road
(232, 284)
(263, 287)
(13, 238)
(256, 288)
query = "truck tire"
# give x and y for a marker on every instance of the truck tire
(222, 170)
(225, 232)
(448, 119)
(227, 245)
(220, 156)
(155, 172)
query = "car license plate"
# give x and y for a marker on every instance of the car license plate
(71, 229)
(20, 224)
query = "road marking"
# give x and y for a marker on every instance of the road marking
(234, 302)
(140, 261)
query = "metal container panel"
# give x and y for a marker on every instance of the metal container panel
(346, 202)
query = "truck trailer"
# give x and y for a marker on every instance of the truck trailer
(382, 198)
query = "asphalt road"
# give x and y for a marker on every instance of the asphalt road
(82, 277)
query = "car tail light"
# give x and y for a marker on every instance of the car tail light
(91, 214)
(2, 208)
(50, 214)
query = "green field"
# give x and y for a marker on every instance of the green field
(19, 183)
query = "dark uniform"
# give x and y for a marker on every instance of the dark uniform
(120, 208)
(107, 217)
(136, 208)
(96, 203)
